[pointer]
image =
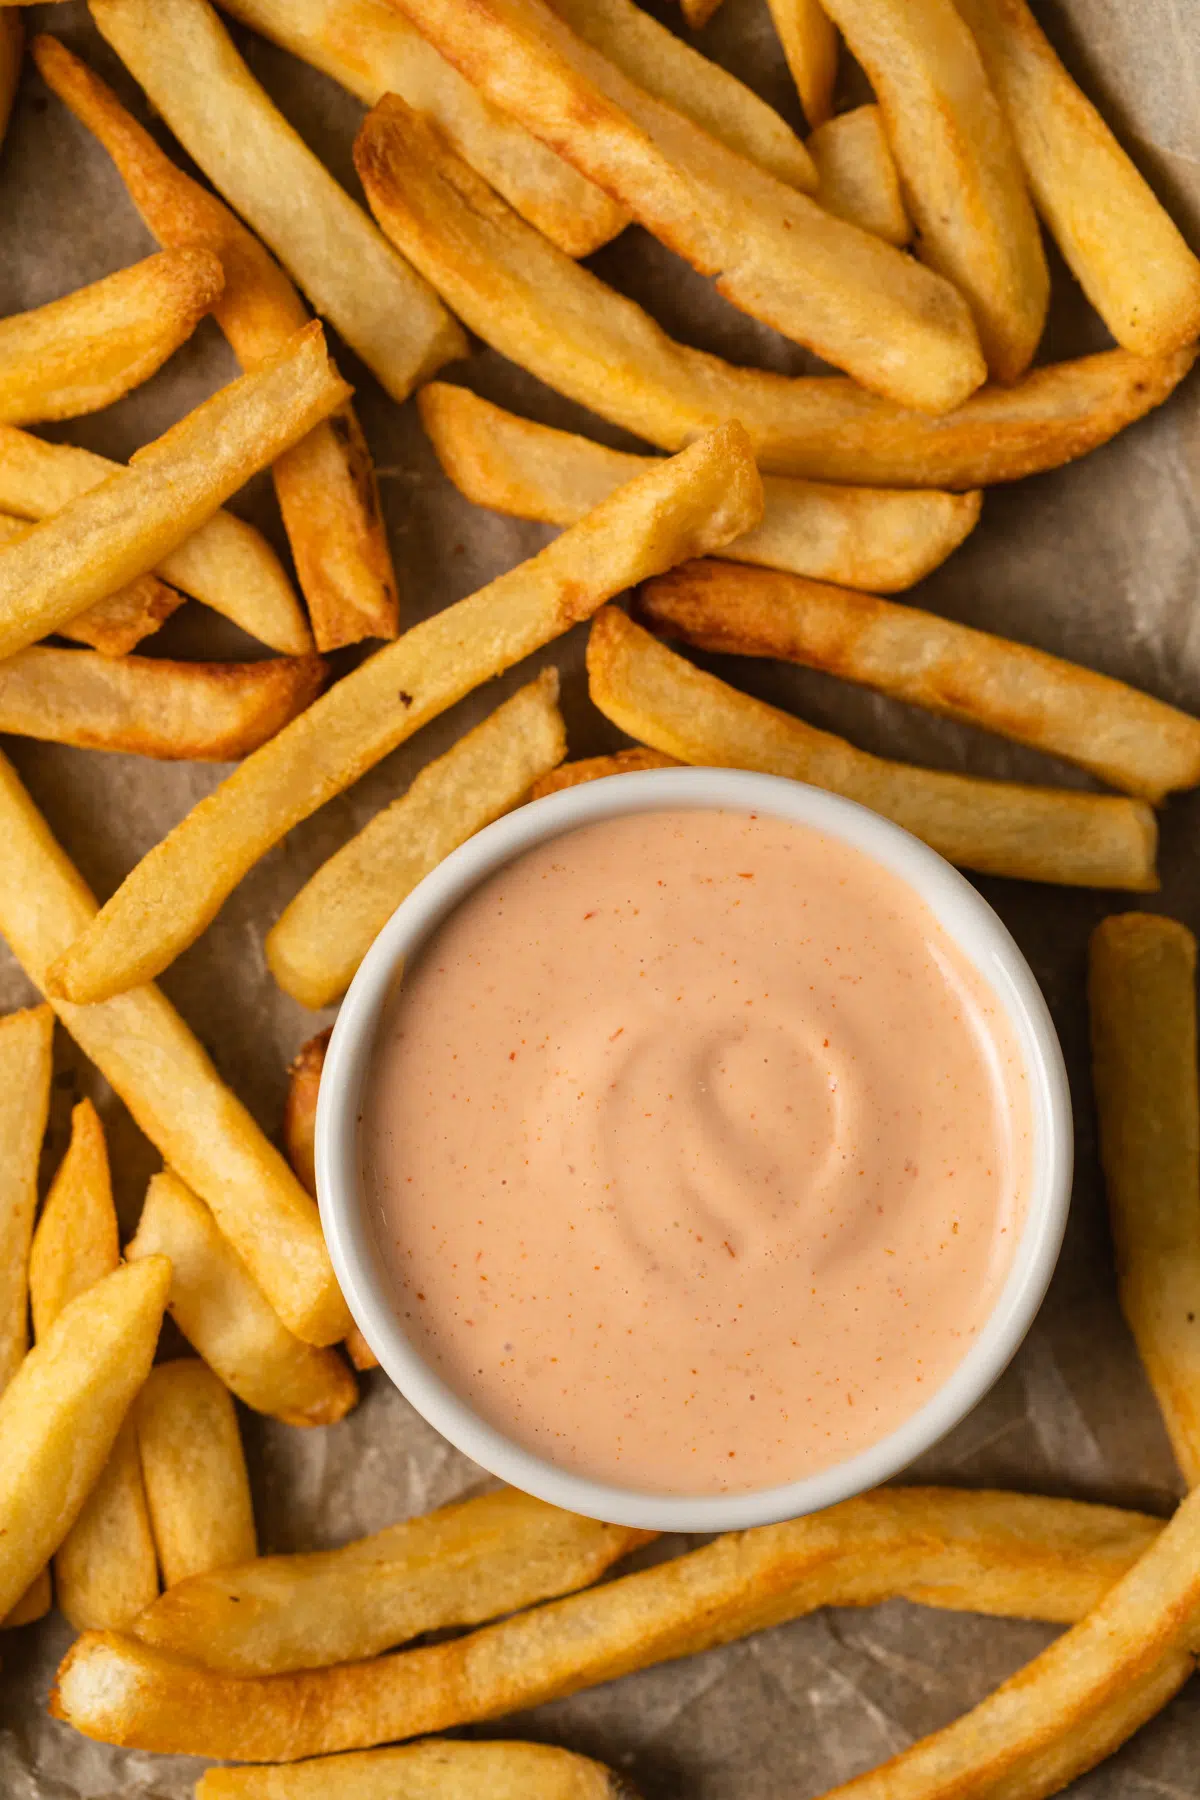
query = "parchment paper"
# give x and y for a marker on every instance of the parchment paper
(1098, 562)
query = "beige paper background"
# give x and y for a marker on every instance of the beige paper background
(1098, 562)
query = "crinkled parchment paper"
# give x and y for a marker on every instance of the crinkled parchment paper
(1099, 562)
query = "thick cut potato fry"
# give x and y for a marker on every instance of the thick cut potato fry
(148, 706)
(197, 1487)
(880, 538)
(166, 1079)
(1122, 247)
(226, 563)
(12, 45)
(60, 1414)
(75, 1244)
(33, 1605)
(222, 1313)
(996, 827)
(707, 495)
(123, 528)
(80, 353)
(1142, 998)
(857, 173)
(1127, 738)
(1005, 1554)
(597, 768)
(476, 1560)
(563, 324)
(182, 56)
(663, 65)
(325, 484)
(897, 327)
(25, 1067)
(367, 47)
(318, 941)
(436, 1770)
(810, 44)
(118, 623)
(962, 177)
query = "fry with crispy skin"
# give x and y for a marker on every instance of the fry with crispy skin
(597, 768)
(564, 325)
(857, 173)
(810, 44)
(1127, 738)
(437, 1770)
(26, 1040)
(75, 1244)
(183, 57)
(699, 499)
(318, 941)
(996, 827)
(197, 1487)
(325, 484)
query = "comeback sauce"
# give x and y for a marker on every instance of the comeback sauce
(696, 1151)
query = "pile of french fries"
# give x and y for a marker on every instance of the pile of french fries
(506, 140)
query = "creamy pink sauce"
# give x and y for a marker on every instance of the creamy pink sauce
(696, 1151)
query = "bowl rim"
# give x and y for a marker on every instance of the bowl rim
(976, 930)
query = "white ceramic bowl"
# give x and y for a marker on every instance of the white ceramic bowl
(978, 933)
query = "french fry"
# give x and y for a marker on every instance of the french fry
(12, 45)
(701, 498)
(166, 1079)
(1142, 999)
(148, 706)
(857, 174)
(222, 1313)
(897, 327)
(225, 563)
(124, 527)
(663, 65)
(117, 624)
(1004, 1554)
(33, 1605)
(596, 768)
(878, 538)
(475, 1560)
(181, 54)
(564, 325)
(996, 827)
(367, 47)
(318, 941)
(1127, 738)
(194, 1469)
(437, 1770)
(61, 1412)
(80, 353)
(963, 179)
(325, 484)
(810, 44)
(1122, 247)
(25, 1066)
(75, 1244)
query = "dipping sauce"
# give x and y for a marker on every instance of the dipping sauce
(696, 1150)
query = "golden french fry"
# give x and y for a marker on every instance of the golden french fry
(148, 706)
(60, 1414)
(117, 624)
(962, 177)
(1127, 738)
(1005, 1554)
(438, 1770)
(79, 353)
(701, 498)
(1142, 998)
(1122, 247)
(181, 54)
(25, 1067)
(166, 1079)
(325, 484)
(12, 45)
(33, 1605)
(663, 65)
(810, 44)
(75, 1244)
(897, 327)
(878, 538)
(478, 1559)
(222, 1313)
(194, 1469)
(596, 768)
(559, 321)
(996, 827)
(318, 941)
(225, 563)
(123, 528)
(857, 174)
